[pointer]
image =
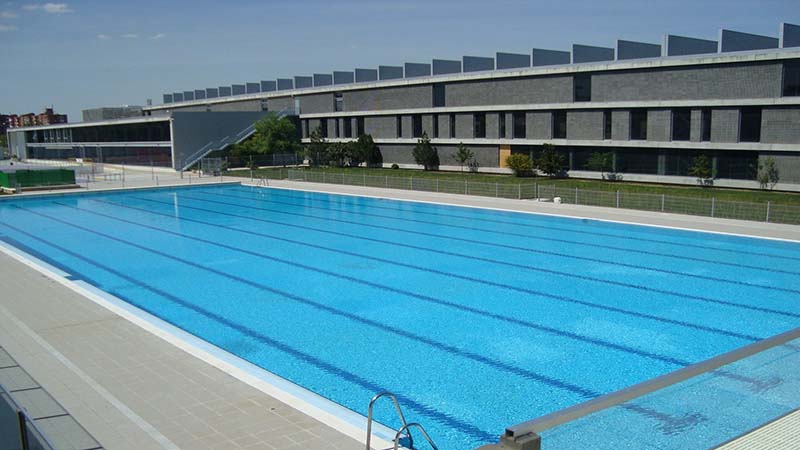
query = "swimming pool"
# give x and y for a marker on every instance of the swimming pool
(477, 319)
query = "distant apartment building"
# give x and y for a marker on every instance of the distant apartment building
(47, 117)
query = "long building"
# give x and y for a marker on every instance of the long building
(654, 106)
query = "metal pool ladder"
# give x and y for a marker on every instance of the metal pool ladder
(403, 431)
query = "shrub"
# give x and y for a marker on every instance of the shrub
(550, 162)
(395, 166)
(520, 163)
(463, 155)
(701, 169)
(768, 175)
(426, 154)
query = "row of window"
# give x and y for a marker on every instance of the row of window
(134, 132)
(681, 125)
(343, 128)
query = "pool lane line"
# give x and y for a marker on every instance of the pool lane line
(457, 276)
(362, 382)
(446, 348)
(485, 230)
(498, 245)
(273, 191)
(755, 383)
(593, 260)
(421, 297)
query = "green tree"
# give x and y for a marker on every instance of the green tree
(3, 141)
(337, 153)
(272, 134)
(701, 169)
(602, 162)
(364, 150)
(317, 150)
(520, 163)
(550, 162)
(463, 155)
(426, 154)
(768, 175)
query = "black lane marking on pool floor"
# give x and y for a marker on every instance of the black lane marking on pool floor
(495, 261)
(383, 327)
(365, 384)
(485, 230)
(545, 252)
(278, 192)
(422, 297)
(452, 275)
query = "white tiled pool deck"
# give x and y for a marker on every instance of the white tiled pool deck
(134, 390)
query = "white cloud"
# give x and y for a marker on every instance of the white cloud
(50, 8)
(158, 36)
(103, 36)
(130, 36)
(8, 15)
(7, 28)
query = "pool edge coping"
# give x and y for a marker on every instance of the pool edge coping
(338, 417)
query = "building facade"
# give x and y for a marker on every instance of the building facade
(655, 108)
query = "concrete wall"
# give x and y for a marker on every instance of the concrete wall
(721, 82)
(192, 131)
(725, 125)
(539, 125)
(492, 125)
(280, 103)
(407, 127)
(249, 105)
(585, 125)
(444, 126)
(510, 91)
(380, 127)
(317, 103)
(485, 156)
(464, 125)
(780, 125)
(620, 125)
(659, 124)
(389, 98)
(696, 130)
(788, 165)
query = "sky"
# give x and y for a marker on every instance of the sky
(83, 54)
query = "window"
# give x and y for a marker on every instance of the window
(681, 124)
(452, 126)
(323, 127)
(435, 125)
(305, 128)
(582, 88)
(559, 124)
(336, 127)
(338, 102)
(639, 124)
(264, 106)
(750, 125)
(399, 126)
(348, 127)
(519, 125)
(607, 124)
(359, 126)
(479, 125)
(640, 160)
(791, 79)
(416, 125)
(705, 123)
(438, 95)
(501, 126)
(737, 165)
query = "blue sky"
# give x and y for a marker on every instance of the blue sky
(79, 54)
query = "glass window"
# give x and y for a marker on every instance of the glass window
(348, 127)
(559, 124)
(750, 125)
(435, 125)
(519, 125)
(336, 127)
(639, 124)
(640, 160)
(416, 125)
(438, 95)
(399, 126)
(681, 124)
(479, 125)
(305, 128)
(323, 127)
(705, 119)
(607, 124)
(582, 87)
(678, 162)
(501, 126)
(338, 102)
(360, 126)
(452, 126)
(737, 165)
(791, 79)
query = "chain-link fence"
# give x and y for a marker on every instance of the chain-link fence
(698, 206)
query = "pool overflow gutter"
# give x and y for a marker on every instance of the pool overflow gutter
(524, 436)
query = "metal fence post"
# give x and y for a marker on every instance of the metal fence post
(323, 176)
(536, 188)
(617, 198)
(663, 200)
(519, 191)
(412, 183)
(576, 196)
(497, 189)
(437, 184)
(386, 182)
(712, 206)
(466, 190)
(365, 179)
(767, 218)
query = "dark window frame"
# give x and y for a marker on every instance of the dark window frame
(681, 124)
(750, 132)
(790, 85)
(416, 125)
(435, 120)
(348, 127)
(608, 119)
(399, 127)
(582, 87)
(638, 117)
(558, 122)
(439, 95)
(360, 126)
(452, 126)
(705, 125)
(479, 125)
(519, 127)
(501, 126)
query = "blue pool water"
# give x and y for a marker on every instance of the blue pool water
(477, 319)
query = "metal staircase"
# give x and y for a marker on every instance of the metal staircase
(405, 429)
